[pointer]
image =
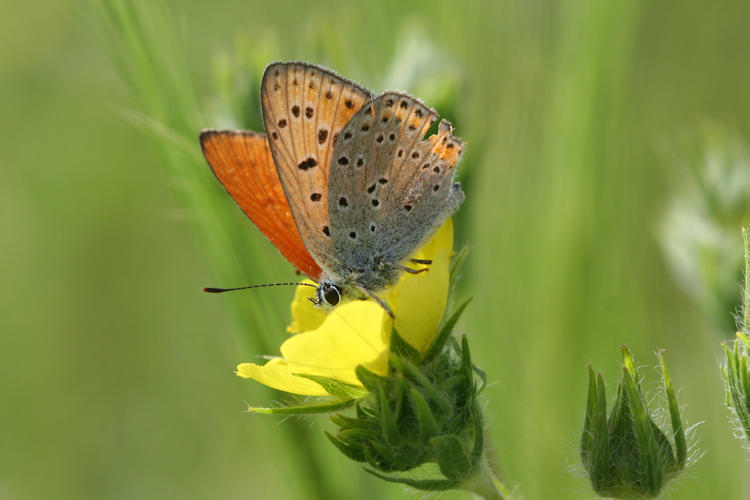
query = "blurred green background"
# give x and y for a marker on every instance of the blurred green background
(606, 180)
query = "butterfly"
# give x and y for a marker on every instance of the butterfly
(344, 183)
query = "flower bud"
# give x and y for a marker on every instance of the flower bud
(626, 454)
(737, 381)
(735, 365)
(423, 411)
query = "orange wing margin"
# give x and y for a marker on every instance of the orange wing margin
(243, 163)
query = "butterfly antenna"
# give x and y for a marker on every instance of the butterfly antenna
(221, 290)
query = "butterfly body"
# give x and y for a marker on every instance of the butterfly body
(363, 187)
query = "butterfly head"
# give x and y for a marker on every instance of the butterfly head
(327, 295)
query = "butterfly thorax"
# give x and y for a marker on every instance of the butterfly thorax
(357, 283)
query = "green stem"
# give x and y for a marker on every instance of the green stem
(485, 484)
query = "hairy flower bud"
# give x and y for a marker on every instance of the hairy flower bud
(735, 364)
(424, 410)
(626, 454)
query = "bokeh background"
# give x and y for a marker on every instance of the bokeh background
(607, 177)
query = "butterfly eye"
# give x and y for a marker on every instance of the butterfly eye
(331, 294)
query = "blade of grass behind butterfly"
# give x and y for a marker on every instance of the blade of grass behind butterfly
(147, 52)
(150, 57)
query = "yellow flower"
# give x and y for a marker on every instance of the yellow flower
(358, 332)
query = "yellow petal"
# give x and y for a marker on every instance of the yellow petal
(355, 333)
(279, 374)
(305, 316)
(418, 300)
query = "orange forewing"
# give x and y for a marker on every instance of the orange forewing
(243, 164)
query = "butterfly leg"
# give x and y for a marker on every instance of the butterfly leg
(412, 271)
(377, 299)
(421, 261)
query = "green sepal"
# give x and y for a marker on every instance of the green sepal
(402, 348)
(402, 393)
(428, 427)
(745, 384)
(453, 383)
(595, 439)
(391, 459)
(322, 407)
(358, 434)
(737, 381)
(587, 437)
(345, 422)
(372, 381)
(649, 470)
(363, 411)
(420, 484)
(388, 423)
(335, 388)
(482, 376)
(476, 454)
(466, 357)
(451, 457)
(678, 430)
(414, 374)
(437, 345)
(351, 450)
